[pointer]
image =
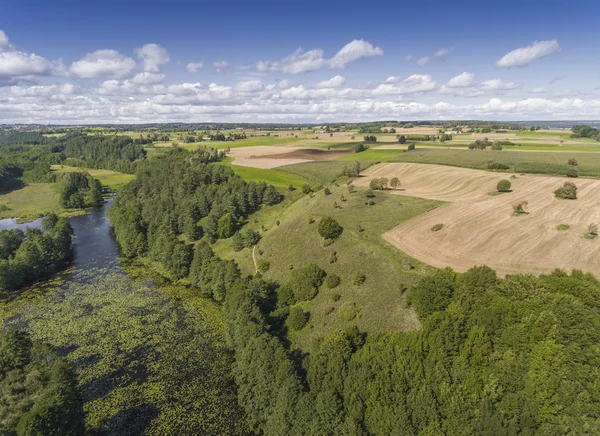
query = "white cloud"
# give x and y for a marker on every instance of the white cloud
(412, 84)
(146, 78)
(18, 63)
(353, 51)
(152, 57)
(424, 60)
(538, 90)
(3, 41)
(313, 60)
(103, 63)
(194, 67)
(463, 80)
(408, 58)
(334, 82)
(249, 86)
(441, 52)
(499, 85)
(220, 66)
(525, 55)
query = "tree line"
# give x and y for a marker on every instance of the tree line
(39, 389)
(27, 256)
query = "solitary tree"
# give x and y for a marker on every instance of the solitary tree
(395, 183)
(567, 191)
(503, 186)
(330, 228)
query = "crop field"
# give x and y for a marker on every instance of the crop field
(480, 229)
(519, 162)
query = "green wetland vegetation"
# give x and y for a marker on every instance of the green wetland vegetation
(224, 302)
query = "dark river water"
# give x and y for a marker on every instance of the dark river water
(149, 355)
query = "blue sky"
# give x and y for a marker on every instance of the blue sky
(129, 61)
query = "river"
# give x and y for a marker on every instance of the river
(150, 356)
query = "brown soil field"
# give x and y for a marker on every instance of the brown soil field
(273, 156)
(479, 229)
(311, 154)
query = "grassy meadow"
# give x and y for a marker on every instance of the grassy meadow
(377, 305)
(111, 179)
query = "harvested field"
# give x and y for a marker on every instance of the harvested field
(479, 229)
(311, 154)
(267, 157)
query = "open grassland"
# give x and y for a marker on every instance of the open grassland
(519, 162)
(291, 242)
(273, 176)
(324, 171)
(378, 155)
(479, 229)
(111, 179)
(33, 201)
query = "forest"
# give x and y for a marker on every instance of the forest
(494, 356)
(27, 256)
(39, 390)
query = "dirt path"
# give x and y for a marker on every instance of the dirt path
(480, 230)
(254, 259)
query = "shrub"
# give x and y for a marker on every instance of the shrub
(311, 220)
(567, 191)
(237, 242)
(332, 281)
(573, 173)
(226, 226)
(573, 162)
(519, 208)
(4, 208)
(336, 297)
(358, 279)
(291, 188)
(306, 189)
(348, 311)
(592, 231)
(496, 146)
(358, 148)
(333, 257)
(562, 227)
(402, 139)
(305, 282)
(369, 193)
(297, 318)
(330, 228)
(411, 147)
(497, 166)
(437, 227)
(503, 186)
(263, 266)
(327, 191)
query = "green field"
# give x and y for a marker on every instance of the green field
(322, 171)
(380, 301)
(33, 201)
(111, 179)
(272, 176)
(372, 154)
(248, 142)
(519, 162)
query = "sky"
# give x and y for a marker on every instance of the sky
(127, 61)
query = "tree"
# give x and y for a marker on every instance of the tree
(327, 191)
(306, 189)
(297, 318)
(358, 148)
(573, 173)
(395, 183)
(402, 139)
(567, 191)
(503, 186)
(226, 226)
(496, 146)
(272, 196)
(329, 228)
